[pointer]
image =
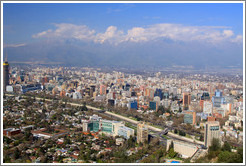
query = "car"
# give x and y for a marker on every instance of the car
(203, 147)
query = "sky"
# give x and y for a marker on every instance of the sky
(213, 24)
(22, 21)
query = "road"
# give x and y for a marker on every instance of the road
(171, 135)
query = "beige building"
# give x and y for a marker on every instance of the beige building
(185, 149)
(212, 130)
(142, 132)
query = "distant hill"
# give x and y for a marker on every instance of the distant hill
(161, 53)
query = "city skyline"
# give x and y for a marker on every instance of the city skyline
(106, 34)
(148, 82)
(72, 114)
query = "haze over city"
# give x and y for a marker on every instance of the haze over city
(123, 83)
(195, 36)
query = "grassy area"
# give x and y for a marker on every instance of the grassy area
(164, 136)
(188, 136)
(132, 118)
(130, 125)
(157, 127)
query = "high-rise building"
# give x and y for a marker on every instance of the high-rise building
(166, 95)
(186, 100)
(190, 117)
(103, 90)
(205, 96)
(212, 130)
(149, 92)
(92, 90)
(5, 74)
(218, 99)
(153, 105)
(134, 105)
(111, 102)
(207, 107)
(142, 132)
(159, 93)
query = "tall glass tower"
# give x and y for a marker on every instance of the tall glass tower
(5, 74)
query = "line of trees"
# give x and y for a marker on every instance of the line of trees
(223, 153)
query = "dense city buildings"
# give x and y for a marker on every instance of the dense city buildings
(122, 82)
(184, 113)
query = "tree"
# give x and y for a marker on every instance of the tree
(187, 160)
(161, 110)
(6, 159)
(182, 133)
(28, 134)
(154, 142)
(226, 147)
(224, 156)
(16, 153)
(201, 137)
(237, 157)
(131, 141)
(44, 159)
(215, 145)
(84, 108)
(172, 153)
(7, 140)
(171, 146)
(67, 140)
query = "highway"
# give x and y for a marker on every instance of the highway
(169, 134)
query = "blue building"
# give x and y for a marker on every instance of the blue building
(218, 93)
(152, 105)
(166, 95)
(218, 99)
(159, 93)
(30, 87)
(134, 105)
(127, 87)
(93, 126)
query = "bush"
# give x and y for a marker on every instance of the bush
(226, 147)
(172, 153)
(175, 131)
(182, 133)
(215, 145)
(224, 157)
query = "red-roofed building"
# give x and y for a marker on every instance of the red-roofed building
(217, 115)
(211, 118)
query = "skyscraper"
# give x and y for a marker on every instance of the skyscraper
(159, 93)
(218, 99)
(103, 90)
(5, 73)
(212, 130)
(142, 133)
(186, 100)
